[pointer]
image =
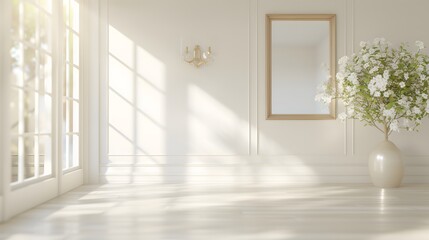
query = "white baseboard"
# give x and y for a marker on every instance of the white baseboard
(245, 169)
(25, 198)
(71, 180)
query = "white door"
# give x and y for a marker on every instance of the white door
(43, 93)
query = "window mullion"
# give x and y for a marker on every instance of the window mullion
(61, 55)
(21, 99)
(36, 158)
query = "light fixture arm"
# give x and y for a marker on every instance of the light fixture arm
(198, 57)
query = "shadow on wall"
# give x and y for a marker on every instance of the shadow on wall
(159, 118)
(166, 127)
(171, 123)
(138, 107)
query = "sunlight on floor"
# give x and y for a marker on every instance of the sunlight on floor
(228, 212)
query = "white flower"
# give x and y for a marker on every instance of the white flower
(394, 126)
(365, 57)
(376, 40)
(416, 110)
(373, 70)
(386, 74)
(342, 116)
(358, 69)
(343, 60)
(350, 111)
(386, 94)
(419, 100)
(323, 97)
(353, 78)
(395, 78)
(420, 44)
(389, 113)
(378, 83)
(406, 76)
(404, 102)
(340, 76)
(406, 123)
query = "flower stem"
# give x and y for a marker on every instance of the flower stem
(386, 132)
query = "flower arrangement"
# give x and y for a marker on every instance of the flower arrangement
(382, 86)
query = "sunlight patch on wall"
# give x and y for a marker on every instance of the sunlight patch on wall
(150, 103)
(136, 98)
(121, 47)
(151, 137)
(121, 79)
(121, 124)
(221, 130)
(150, 68)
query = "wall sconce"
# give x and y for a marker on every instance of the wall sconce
(198, 57)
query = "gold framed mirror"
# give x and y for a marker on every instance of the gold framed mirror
(300, 54)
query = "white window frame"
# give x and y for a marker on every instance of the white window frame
(15, 199)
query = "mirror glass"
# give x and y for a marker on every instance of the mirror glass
(300, 56)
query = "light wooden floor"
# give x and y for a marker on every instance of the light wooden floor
(243, 212)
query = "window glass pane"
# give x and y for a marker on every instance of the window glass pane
(45, 114)
(75, 151)
(69, 122)
(45, 64)
(46, 4)
(76, 83)
(71, 85)
(75, 116)
(16, 54)
(14, 158)
(71, 151)
(30, 16)
(67, 82)
(66, 12)
(31, 88)
(15, 19)
(75, 49)
(45, 35)
(29, 109)
(75, 14)
(68, 41)
(14, 110)
(67, 146)
(45, 153)
(28, 157)
(29, 67)
(64, 117)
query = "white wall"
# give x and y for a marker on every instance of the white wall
(168, 122)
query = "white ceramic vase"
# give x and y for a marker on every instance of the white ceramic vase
(385, 165)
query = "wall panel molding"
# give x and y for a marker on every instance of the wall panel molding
(277, 151)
